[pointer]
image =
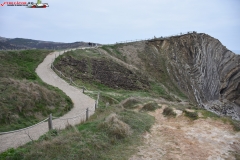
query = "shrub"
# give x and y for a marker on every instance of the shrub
(236, 125)
(131, 103)
(150, 106)
(116, 127)
(191, 115)
(168, 111)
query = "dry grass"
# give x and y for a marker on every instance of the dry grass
(22, 100)
(116, 127)
(168, 111)
(131, 103)
(151, 106)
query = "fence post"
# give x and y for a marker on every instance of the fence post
(96, 106)
(70, 80)
(50, 122)
(83, 89)
(86, 114)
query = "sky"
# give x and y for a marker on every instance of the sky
(111, 21)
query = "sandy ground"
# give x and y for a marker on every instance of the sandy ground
(182, 139)
(80, 100)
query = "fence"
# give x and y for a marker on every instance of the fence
(50, 119)
(155, 38)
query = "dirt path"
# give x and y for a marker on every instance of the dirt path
(80, 100)
(179, 138)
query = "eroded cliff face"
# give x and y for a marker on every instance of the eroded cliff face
(196, 64)
(205, 70)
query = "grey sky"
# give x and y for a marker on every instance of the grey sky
(109, 21)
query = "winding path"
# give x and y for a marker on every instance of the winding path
(80, 100)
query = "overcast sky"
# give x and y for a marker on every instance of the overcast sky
(110, 21)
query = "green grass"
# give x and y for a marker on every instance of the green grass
(234, 123)
(155, 89)
(114, 50)
(131, 103)
(25, 99)
(88, 141)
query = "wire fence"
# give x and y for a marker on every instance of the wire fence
(154, 38)
(71, 82)
(69, 79)
(82, 116)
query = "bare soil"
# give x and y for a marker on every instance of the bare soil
(104, 71)
(181, 138)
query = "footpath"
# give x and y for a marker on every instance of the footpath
(73, 117)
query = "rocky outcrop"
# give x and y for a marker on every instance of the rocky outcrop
(205, 70)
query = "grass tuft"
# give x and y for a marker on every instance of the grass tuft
(116, 127)
(152, 106)
(168, 111)
(191, 115)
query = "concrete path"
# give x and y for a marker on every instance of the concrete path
(80, 100)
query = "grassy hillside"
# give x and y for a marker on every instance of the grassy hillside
(96, 71)
(111, 133)
(115, 130)
(25, 99)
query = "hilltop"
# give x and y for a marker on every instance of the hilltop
(22, 43)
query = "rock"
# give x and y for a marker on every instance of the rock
(205, 70)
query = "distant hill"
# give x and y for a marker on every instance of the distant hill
(22, 43)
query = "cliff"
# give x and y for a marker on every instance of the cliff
(205, 70)
(196, 64)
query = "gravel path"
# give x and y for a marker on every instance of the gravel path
(80, 100)
(182, 139)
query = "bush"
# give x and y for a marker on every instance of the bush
(131, 103)
(191, 115)
(116, 127)
(236, 125)
(168, 111)
(150, 106)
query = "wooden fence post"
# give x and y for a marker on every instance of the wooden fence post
(86, 114)
(50, 122)
(83, 89)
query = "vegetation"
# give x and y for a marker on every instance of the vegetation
(131, 103)
(234, 123)
(25, 99)
(151, 106)
(168, 111)
(191, 115)
(114, 137)
(143, 87)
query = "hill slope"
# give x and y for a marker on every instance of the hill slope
(25, 99)
(22, 43)
(197, 65)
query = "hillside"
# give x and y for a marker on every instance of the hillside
(152, 103)
(195, 66)
(25, 99)
(22, 43)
